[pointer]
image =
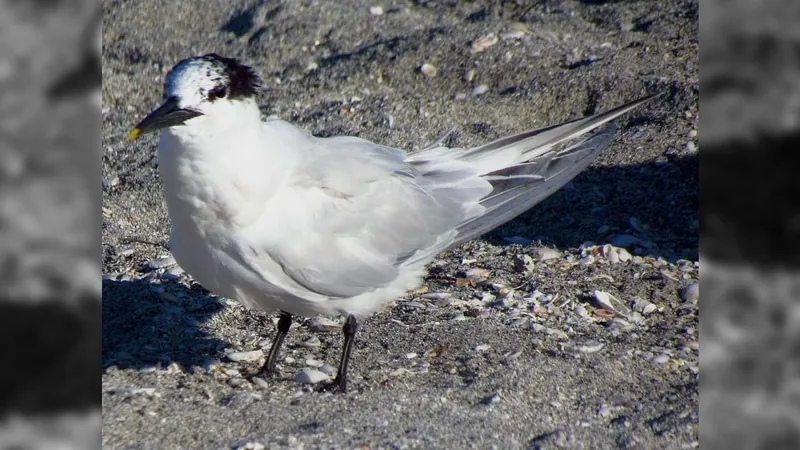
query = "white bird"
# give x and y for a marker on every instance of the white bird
(267, 214)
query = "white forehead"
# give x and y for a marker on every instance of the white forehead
(192, 79)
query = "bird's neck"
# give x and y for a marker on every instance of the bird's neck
(217, 167)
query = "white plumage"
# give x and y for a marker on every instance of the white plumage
(267, 214)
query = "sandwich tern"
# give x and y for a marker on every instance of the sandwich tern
(267, 214)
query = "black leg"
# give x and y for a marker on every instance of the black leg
(350, 328)
(284, 323)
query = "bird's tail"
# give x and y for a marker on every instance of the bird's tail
(524, 169)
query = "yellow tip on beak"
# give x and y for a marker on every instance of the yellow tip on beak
(133, 134)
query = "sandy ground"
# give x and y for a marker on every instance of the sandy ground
(336, 68)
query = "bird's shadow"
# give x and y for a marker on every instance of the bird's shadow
(149, 325)
(651, 209)
(49, 353)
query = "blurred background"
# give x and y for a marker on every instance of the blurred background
(49, 224)
(750, 224)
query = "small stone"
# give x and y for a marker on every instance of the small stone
(691, 293)
(477, 274)
(327, 369)
(469, 75)
(546, 254)
(441, 302)
(311, 362)
(611, 303)
(311, 342)
(477, 313)
(310, 376)
(376, 10)
(411, 355)
(237, 382)
(232, 373)
(524, 264)
(482, 347)
(160, 263)
(323, 325)
(460, 96)
(644, 307)
(484, 42)
(429, 70)
(661, 359)
(436, 295)
(590, 347)
(480, 90)
(245, 356)
(260, 383)
(581, 311)
(251, 446)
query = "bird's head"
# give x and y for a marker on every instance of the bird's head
(193, 88)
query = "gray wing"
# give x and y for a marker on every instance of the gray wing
(378, 209)
(373, 213)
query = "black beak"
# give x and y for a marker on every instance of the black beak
(167, 115)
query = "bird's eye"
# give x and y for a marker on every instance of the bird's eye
(217, 92)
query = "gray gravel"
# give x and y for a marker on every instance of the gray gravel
(531, 337)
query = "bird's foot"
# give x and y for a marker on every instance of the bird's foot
(337, 386)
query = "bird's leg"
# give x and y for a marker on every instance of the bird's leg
(350, 328)
(284, 323)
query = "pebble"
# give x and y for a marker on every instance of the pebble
(429, 70)
(173, 273)
(311, 362)
(644, 307)
(482, 347)
(311, 342)
(251, 446)
(590, 347)
(661, 359)
(237, 382)
(477, 274)
(413, 304)
(524, 264)
(546, 254)
(323, 325)
(691, 293)
(310, 376)
(480, 90)
(245, 356)
(260, 383)
(376, 10)
(327, 369)
(441, 302)
(608, 301)
(160, 263)
(484, 42)
(436, 295)
(469, 75)
(411, 355)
